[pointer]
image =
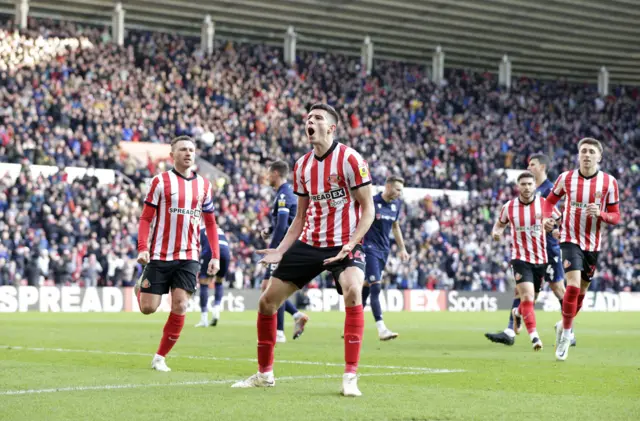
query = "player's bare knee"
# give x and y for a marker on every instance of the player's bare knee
(179, 303)
(527, 297)
(148, 309)
(267, 305)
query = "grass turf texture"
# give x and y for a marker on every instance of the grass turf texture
(600, 380)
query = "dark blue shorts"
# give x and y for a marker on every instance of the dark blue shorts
(225, 258)
(555, 271)
(374, 266)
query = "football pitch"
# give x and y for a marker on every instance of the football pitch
(96, 366)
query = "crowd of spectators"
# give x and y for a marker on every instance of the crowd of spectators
(69, 97)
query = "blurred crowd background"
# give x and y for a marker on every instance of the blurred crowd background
(69, 98)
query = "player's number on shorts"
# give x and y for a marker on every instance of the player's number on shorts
(550, 271)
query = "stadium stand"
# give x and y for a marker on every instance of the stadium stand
(69, 97)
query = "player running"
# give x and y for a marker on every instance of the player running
(377, 246)
(554, 275)
(335, 211)
(284, 210)
(526, 218)
(591, 200)
(174, 205)
(206, 279)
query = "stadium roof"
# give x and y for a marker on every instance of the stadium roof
(544, 38)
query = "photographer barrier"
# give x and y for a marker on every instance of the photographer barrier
(113, 300)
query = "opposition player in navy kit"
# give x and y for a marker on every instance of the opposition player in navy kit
(538, 165)
(377, 246)
(284, 210)
(205, 279)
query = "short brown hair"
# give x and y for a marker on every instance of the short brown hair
(525, 174)
(281, 167)
(175, 140)
(394, 179)
(328, 108)
(541, 158)
(590, 141)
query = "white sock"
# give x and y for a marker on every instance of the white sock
(534, 335)
(280, 333)
(216, 311)
(566, 333)
(297, 315)
(381, 326)
(510, 333)
(158, 357)
(204, 316)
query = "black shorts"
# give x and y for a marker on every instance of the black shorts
(529, 272)
(574, 258)
(159, 277)
(302, 262)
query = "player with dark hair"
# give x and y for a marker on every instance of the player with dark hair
(335, 211)
(554, 275)
(377, 246)
(284, 210)
(206, 279)
(591, 200)
(526, 217)
(174, 205)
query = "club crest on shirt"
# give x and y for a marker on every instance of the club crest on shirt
(394, 208)
(282, 201)
(334, 179)
(598, 195)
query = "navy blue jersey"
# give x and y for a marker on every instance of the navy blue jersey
(544, 190)
(377, 239)
(284, 211)
(205, 251)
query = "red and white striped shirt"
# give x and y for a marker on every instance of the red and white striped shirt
(577, 227)
(179, 204)
(333, 212)
(528, 237)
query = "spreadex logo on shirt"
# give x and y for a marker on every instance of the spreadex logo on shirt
(335, 197)
(579, 205)
(188, 212)
(533, 228)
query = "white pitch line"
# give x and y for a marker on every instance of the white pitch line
(252, 360)
(197, 383)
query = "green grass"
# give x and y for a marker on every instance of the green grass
(599, 381)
